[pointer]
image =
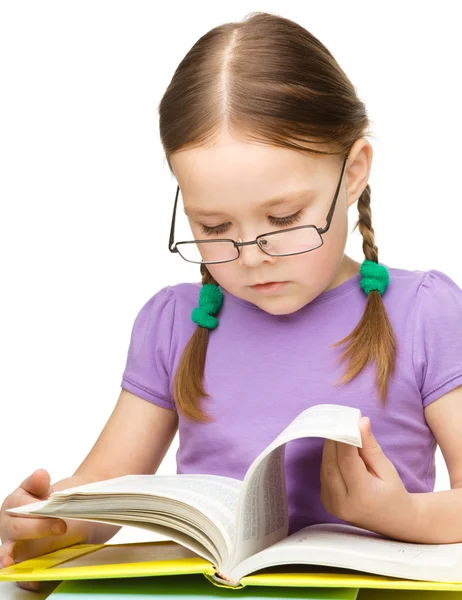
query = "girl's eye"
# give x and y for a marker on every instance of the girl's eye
(280, 221)
(214, 230)
(286, 220)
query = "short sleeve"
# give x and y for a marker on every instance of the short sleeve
(147, 372)
(437, 349)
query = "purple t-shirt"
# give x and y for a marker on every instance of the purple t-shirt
(262, 370)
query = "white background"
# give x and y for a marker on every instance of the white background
(86, 194)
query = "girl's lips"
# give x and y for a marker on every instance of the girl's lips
(274, 286)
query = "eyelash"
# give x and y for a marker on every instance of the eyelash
(289, 220)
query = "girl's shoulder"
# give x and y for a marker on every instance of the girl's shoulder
(431, 307)
(431, 287)
(174, 297)
(186, 292)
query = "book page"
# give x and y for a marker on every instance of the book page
(262, 513)
(349, 547)
(186, 544)
(120, 554)
(330, 421)
(199, 505)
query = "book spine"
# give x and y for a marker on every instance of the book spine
(216, 580)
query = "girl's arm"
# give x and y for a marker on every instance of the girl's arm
(134, 440)
(438, 517)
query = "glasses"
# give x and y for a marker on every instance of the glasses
(283, 242)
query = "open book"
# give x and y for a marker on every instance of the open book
(241, 527)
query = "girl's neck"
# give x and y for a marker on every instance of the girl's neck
(348, 269)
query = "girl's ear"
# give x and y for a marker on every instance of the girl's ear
(358, 169)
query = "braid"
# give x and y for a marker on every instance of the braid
(365, 225)
(373, 338)
(188, 386)
(206, 276)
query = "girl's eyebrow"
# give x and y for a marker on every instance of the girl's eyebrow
(192, 211)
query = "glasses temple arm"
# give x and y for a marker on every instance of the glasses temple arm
(172, 228)
(332, 208)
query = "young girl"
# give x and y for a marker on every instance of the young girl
(266, 138)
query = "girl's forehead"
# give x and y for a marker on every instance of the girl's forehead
(238, 167)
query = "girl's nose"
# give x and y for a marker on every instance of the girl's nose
(252, 255)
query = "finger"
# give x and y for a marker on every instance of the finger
(18, 528)
(25, 549)
(29, 585)
(375, 460)
(351, 466)
(6, 555)
(331, 476)
(12, 553)
(37, 484)
(6, 561)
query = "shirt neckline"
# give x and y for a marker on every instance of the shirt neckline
(344, 287)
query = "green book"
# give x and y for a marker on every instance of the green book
(187, 587)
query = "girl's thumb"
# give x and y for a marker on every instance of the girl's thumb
(38, 484)
(371, 452)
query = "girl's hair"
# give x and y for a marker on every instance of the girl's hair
(268, 79)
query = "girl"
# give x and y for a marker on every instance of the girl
(266, 138)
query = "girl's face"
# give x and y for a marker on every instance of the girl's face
(225, 190)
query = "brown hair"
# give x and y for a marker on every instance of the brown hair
(271, 80)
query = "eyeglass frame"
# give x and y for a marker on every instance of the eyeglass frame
(238, 245)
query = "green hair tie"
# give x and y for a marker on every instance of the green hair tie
(210, 301)
(374, 276)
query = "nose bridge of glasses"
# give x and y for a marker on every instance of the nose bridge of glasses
(239, 242)
(256, 242)
(252, 254)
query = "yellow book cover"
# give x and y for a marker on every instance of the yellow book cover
(147, 559)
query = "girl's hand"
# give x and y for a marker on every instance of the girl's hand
(361, 486)
(27, 537)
